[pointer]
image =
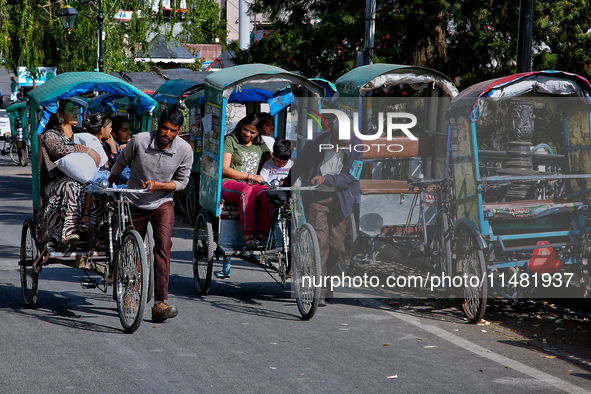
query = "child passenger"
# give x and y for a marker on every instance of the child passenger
(279, 166)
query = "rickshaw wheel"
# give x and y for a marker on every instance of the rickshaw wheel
(585, 269)
(131, 281)
(443, 247)
(23, 155)
(29, 252)
(306, 263)
(346, 262)
(191, 201)
(203, 249)
(470, 262)
(149, 245)
(14, 152)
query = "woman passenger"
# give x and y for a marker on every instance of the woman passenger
(266, 127)
(243, 153)
(120, 136)
(63, 196)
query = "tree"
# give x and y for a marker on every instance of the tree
(470, 40)
(31, 34)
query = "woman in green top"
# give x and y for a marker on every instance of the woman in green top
(244, 151)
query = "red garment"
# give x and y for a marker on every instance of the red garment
(248, 196)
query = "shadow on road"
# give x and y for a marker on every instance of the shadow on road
(69, 309)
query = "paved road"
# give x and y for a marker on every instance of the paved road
(246, 336)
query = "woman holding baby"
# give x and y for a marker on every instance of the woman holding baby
(63, 200)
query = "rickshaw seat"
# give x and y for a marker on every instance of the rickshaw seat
(383, 186)
(529, 208)
(399, 147)
(276, 196)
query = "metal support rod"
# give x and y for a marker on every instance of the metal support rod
(525, 38)
(100, 18)
(370, 29)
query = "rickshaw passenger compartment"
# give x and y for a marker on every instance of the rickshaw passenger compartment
(385, 203)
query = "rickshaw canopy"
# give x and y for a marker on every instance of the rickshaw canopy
(227, 79)
(170, 92)
(361, 80)
(555, 83)
(12, 111)
(67, 85)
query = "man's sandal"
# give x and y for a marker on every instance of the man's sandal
(250, 243)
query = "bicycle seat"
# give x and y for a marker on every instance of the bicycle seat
(276, 196)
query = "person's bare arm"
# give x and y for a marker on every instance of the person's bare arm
(235, 174)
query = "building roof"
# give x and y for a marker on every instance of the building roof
(166, 51)
(146, 81)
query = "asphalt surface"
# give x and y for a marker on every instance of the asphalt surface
(246, 336)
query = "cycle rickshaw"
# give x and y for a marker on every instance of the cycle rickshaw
(404, 198)
(19, 148)
(521, 164)
(116, 252)
(217, 228)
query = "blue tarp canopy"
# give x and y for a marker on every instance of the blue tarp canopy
(67, 85)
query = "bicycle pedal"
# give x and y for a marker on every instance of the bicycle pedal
(89, 284)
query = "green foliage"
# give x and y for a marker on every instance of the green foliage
(203, 26)
(31, 34)
(470, 40)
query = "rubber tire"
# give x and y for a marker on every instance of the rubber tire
(191, 201)
(585, 270)
(14, 152)
(29, 253)
(306, 246)
(149, 245)
(203, 250)
(444, 245)
(24, 155)
(134, 273)
(347, 264)
(473, 303)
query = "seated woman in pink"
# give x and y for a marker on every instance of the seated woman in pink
(244, 151)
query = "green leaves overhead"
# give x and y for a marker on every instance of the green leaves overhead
(31, 34)
(471, 40)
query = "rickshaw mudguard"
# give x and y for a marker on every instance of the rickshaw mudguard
(469, 226)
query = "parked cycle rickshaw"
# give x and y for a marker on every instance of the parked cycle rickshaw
(404, 198)
(19, 138)
(116, 252)
(217, 228)
(521, 164)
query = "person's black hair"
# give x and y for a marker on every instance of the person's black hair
(96, 122)
(282, 149)
(264, 117)
(53, 122)
(174, 115)
(117, 124)
(252, 119)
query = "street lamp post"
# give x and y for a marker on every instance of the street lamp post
(68, 17)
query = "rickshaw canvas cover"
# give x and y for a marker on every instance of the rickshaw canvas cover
(464, 170)
(210, 187)
(579, 155)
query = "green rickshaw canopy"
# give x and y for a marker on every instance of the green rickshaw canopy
(226, 79)
(361, 80)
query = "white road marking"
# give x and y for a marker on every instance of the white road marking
(483, 352)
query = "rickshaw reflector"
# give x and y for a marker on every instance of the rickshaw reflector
(544, 260)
